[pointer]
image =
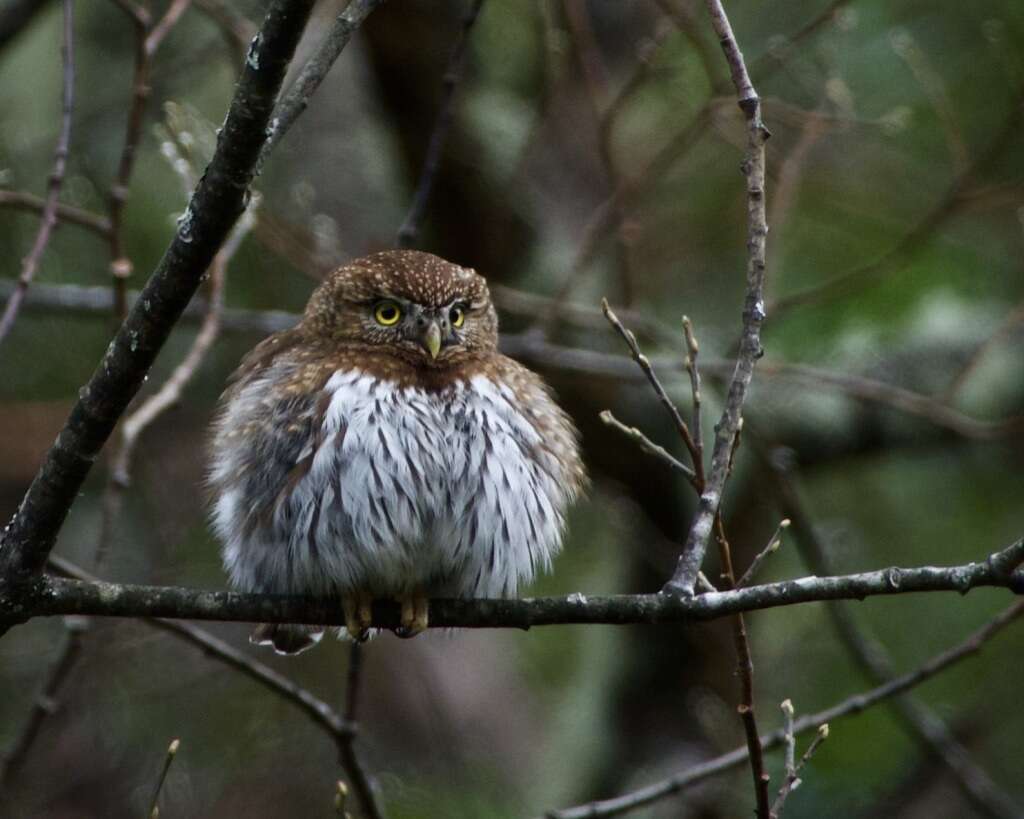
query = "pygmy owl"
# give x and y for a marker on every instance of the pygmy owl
(385, 448)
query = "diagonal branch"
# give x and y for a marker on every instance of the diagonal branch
(409, 232)
(218, 201)
(296, 98)
(921, 722)
(685, 576)
(810, 722)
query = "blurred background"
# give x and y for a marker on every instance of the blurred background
(594, 151)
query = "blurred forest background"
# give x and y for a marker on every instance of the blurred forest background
(594, 151)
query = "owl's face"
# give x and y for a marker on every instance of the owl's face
(415, 305)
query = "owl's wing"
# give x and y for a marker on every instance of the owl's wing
(262, 356)
(557, 450)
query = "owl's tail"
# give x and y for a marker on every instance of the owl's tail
(286, 639)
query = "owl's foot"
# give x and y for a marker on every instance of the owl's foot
(415, 616)
(358, 615)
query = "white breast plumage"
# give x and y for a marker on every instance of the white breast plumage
(397, 487)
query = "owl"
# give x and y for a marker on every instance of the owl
(384, 448)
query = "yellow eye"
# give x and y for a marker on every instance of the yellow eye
(457, 316)
(387, 313)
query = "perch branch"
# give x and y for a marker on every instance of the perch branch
(47, 596)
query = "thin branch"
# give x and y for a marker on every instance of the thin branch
(1006, 327)
(863, 275)
(409, 232)
(811, 722)
(296, 98)
(172, 752)
(170, 391)
(316, 709)
(92, 300)
(237, 29)
(48, 596)
(647, 445)
(45, 702)
(764, 554)
(94, 222)
(147, 41)
(217, 203)
(745, 672)
(792, 781)
(690, 362)
(920, 721)
(645, 365)
(692, 556)
(60, 159)
(361, 781)
(789, 738)
(935, 89)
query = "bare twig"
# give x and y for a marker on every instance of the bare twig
(409, 232)
(322, 714)
(45, 702)
(792, 780)
(863, 275)
(692, 349)
(294, 101)
(645, 365)
(92, 300)
(340, 797)
(93, 222)
(60, 158)
(764, 554)
(692, 556)
(1006, 327)
(147, 40)
(170, 392)
(350, 760)
(789, 738)
(237, 29)
(647, 445)
(935, 89)
(172, 751)
(745, 670)
(921, 722)
(851, 705)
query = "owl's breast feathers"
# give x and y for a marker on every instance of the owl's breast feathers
(353, 470)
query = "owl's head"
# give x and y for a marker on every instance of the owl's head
(413, 304)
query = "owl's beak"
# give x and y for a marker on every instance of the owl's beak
(431, 339)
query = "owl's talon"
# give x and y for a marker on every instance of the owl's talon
(415, 615)
(358, 615)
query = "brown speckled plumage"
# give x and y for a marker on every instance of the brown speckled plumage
(351, 456)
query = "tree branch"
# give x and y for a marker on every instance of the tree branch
(218, 201)
(409, 232)
(296, 98)
(810, 722)
(46, 596)
(694, 548)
